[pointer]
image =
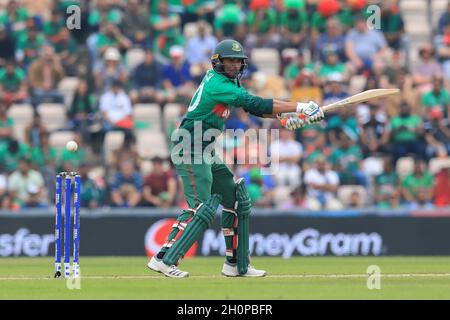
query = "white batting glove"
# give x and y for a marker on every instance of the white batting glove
(291, 120)
(311, 111)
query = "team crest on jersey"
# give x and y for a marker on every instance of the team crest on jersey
(221, 111)
(236, 47)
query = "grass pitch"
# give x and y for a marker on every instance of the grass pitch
(296, 278)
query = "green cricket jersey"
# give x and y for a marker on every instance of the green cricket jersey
(214, 98)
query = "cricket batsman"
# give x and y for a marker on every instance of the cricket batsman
(207, 185)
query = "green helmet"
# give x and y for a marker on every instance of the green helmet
(228, 49)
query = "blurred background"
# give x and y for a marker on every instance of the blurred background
(118, 77)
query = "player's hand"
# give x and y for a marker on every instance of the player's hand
(291, 120)
(311, 111)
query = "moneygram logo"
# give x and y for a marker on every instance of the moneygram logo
(307, 242)
(157, 234)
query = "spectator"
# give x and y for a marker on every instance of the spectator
(374, 134)
(13, 84)
(289, 152)
(442, 45)
(29, 44)
(396, 74)
(314, 140)
(444, 20)
(356, 200)
(293, 24)
(365, 48)
(115, 106)
(127, 151)
(44, 75)
(136, 24)
(438, 97)
(35, 130)
(406, 133)
(53, 27)
(6, 125)
(332, 40)
(111, 36)
(14, 18)
(424, 71)
(386, 186)
(82, 110)
(346, 159)
(334, 89)
(262, 25)
(66, 48)
(12, 152)
(146, 81)
(392, 25)
(437, 134)
(199, 50)
(43, 155)
(259, 187)
(92, 195)
(321, 186)
(333, 68)
(240, 119)
(167, 31)
(5, 199)
(7, 46)
(417, 187)
(44, 158)
(442, 187)
(104, 12)
(109, 70)
(160, 186)
(126, 186)
(26, 186)
(297, 199)
(228, 21)
(298, 71)
(177, 79)
(341, 124)
(325, 10)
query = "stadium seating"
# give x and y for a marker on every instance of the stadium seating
(113, 141)
(58, 139)
(266, 60)
(22, 114)
(53, 115)
(372, 166)
(151, 143)
(413, 6)
(281, 195)
(436, 164)
(171, 112)
(190, 30)
(404, 166)
(344, 193)
(148, 115)
(134, 57)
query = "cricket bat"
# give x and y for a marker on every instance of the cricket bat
(357, 98)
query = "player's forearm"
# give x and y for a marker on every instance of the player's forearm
(280, 106)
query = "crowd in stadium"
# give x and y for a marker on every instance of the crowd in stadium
(389, 154)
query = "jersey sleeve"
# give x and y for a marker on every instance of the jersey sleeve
(228, 93)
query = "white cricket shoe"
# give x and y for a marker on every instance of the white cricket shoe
(230, 270)
(169, 271)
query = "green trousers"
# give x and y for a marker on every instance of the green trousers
(199, 182)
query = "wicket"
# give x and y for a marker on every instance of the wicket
(67, 223)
